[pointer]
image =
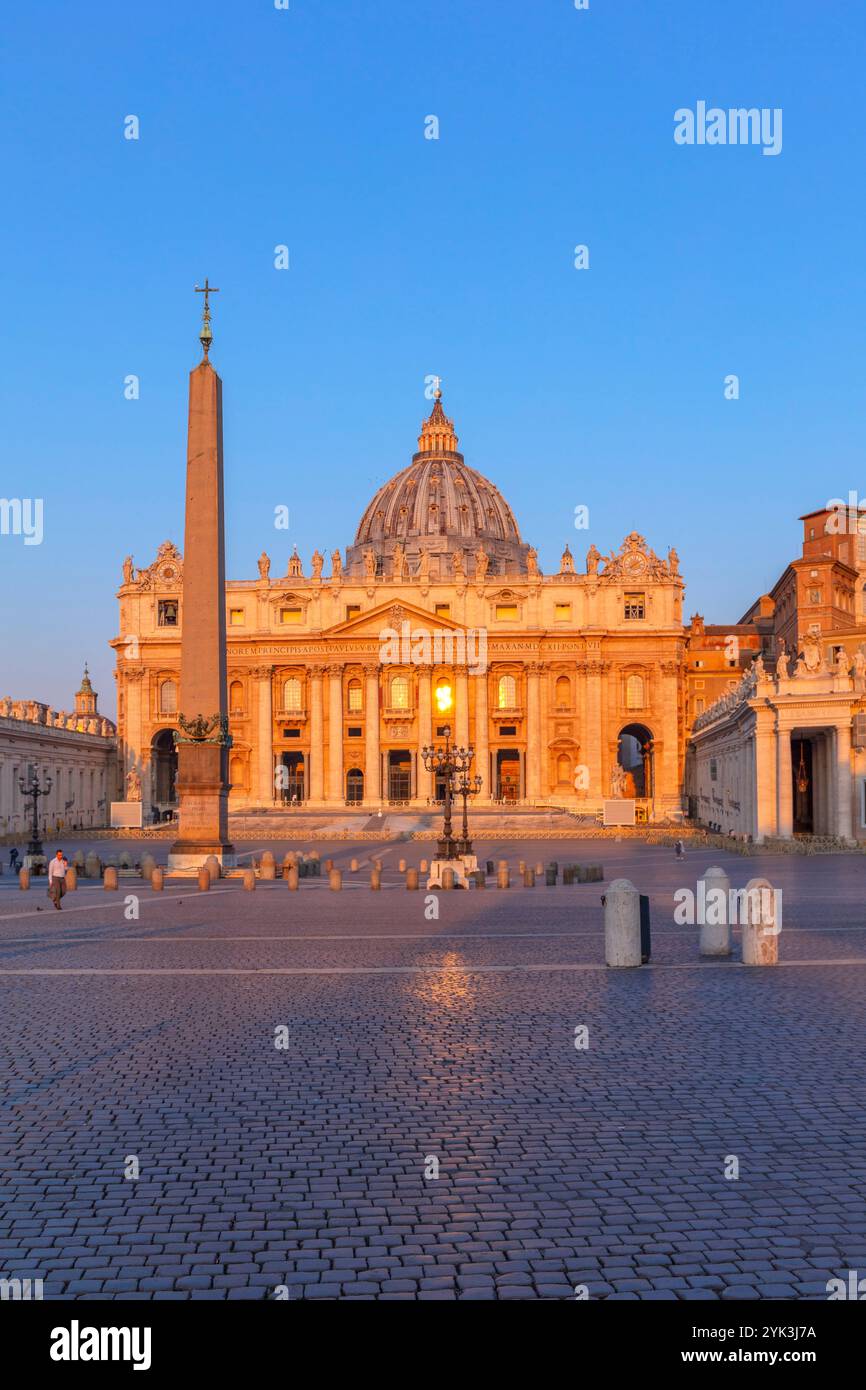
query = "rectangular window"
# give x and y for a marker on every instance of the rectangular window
(291, 733)
(814, 595)
(506, 613)
(699, 706)
(635, 606)
(167, 612)
(355, 731)
(356, 698)
(236, 617)
(714, 770)
(290, 615)
(352, 610)
(508, 730)
(442, 610)
(562, 613)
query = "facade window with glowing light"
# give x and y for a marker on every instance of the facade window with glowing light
(444, 697)
(355, 697)
(292, 694)
(400, 692)
(506, 697)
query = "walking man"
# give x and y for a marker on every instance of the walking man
(57, 878)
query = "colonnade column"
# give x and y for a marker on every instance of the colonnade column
(461, 711)
(765, 780)
(784, 784)
(425, 732)
(482, 742)
(372, 789)
(335, 734)
(591, 735)
(265, 752)
(843, 780)
(317, 735)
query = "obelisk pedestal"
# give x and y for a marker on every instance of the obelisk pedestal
(202, 739)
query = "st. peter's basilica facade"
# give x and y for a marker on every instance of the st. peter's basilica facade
(570, 686)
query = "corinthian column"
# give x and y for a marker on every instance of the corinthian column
(843, 778)
(335, 733)
(265, 738)
(371, 729)
(533, 731)
(482, 743)
(425, 732)
(317, 735)
(461, 712)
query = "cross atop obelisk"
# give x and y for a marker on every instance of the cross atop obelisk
(206, 336)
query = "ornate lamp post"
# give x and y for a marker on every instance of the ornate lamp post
(449, 762)
(33, 793)
(467, 786)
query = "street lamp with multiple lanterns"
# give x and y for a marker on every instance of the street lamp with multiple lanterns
(452, 765)
(33, 793)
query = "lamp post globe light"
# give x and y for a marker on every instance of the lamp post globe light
(452, 764)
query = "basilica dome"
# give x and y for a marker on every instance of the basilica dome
(439, 508)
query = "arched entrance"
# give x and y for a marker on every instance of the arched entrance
(163, 756)
(293, 780)
(354, 786)
(635, 757)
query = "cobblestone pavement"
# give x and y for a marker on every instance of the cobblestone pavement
(412, 1038)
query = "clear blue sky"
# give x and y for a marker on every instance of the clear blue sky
(412, 256)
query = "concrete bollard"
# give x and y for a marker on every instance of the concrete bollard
(447, 878)
(521, 866)
(147, 866)
(715, 937)
(109, 880)
(529, 878)
(249, 880)
(568, 875)
(622, 924)
(335, 880)
(539, 869)
(423, 866)
(376, 878)
(402, 866)
(503, 879)
(23, 879)
(411, 878)
(288, 860)
(213, 866)
(761, 927)
(71, 879)
(157, 880)
(353, 867)
(268, 868)
(480, 878)
(550, 876)
(291, 877)
(203, 879)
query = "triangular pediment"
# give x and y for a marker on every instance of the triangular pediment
(393, 615)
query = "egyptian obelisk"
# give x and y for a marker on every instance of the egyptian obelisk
(202, 738)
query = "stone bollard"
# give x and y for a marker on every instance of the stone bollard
(529, 878)
(622, 924)
(423, 866)
(288, 861)
(376, 878)
(157, 879)
(23, 879)
(490, 867)
(447, 878)
(402, 866)
(109, 879)
(715, 938)
(762, 924)
(92, 866)
(203, 879)
(411, 878)
(147, 866)
(539, 869)
(335, 880)
(568, 875)
(353, 867)
(269, 866)
(550, 876)
(71, 879)
(212, 864)
(291, 877)
(521, 866)
(249, 880)
(502, 878)
(480, 878)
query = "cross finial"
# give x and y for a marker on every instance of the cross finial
(206, 336)
(437, 394)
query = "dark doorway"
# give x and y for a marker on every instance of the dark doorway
(293, 780)
(354, 785)
(801, 771)
(164, 756)
(508, 774)
(399, 774)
